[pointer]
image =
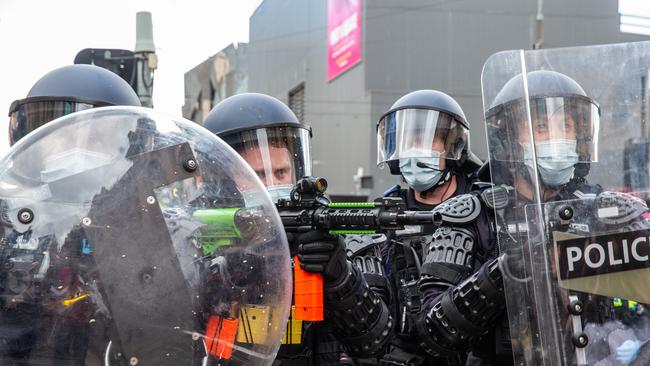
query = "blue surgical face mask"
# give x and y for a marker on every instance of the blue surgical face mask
(280, 191)
(556, 160)
(256, 197)
(423, 177)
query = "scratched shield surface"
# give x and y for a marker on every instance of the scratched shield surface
(126, 240)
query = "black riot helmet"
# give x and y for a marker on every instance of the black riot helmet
(66, 90)
(561, 112)
(416, 122)
(267, 134)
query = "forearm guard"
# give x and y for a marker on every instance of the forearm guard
(360, 318)
(463, 312)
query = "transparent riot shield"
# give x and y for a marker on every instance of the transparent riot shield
(126, 240)
(568, 141)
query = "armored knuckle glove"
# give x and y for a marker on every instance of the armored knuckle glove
(359, 317)
(319, 252)
(463, 312)
(237, 268)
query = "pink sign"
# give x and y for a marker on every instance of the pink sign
(343, 36)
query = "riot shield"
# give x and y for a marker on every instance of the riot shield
(126, 240)
(572, 226)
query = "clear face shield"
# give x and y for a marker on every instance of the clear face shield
(420, 133)
(280, 156)
(29, 114)
(572, 119)
(563, 132)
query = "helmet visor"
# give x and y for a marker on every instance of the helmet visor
(25, 117)
(574, 118)
(420, 133)
(279, 155)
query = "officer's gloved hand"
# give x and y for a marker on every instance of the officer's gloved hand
(236, 268)
(323, 253)
(626, 352)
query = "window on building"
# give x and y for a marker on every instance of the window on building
(297, 101)
(635, 16)
(196, 108)
(213, 95)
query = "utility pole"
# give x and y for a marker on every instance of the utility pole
(135, 67)
(539, 26)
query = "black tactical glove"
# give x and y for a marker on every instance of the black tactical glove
(236, 268)
(320, 252)
(244, 269)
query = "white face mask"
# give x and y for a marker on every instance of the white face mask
(72, 162)
(556, 160)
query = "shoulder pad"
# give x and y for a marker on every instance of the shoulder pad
(358, 244)
(392, 191)
(496, 197)
(615, 208)
(461, 209)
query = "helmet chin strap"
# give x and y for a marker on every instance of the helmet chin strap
(566, 190)
(581, 169)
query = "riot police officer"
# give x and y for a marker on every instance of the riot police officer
(559, 108)
(66, 90)
(424, 137)
(60, 92)
(546, 162)
(463, 298)
(268, 135)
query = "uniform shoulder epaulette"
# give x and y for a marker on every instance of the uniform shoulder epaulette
(481, 186)
(392, 191)
(588, 190)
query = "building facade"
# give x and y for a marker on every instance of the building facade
(406, 45)
(220, 76)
